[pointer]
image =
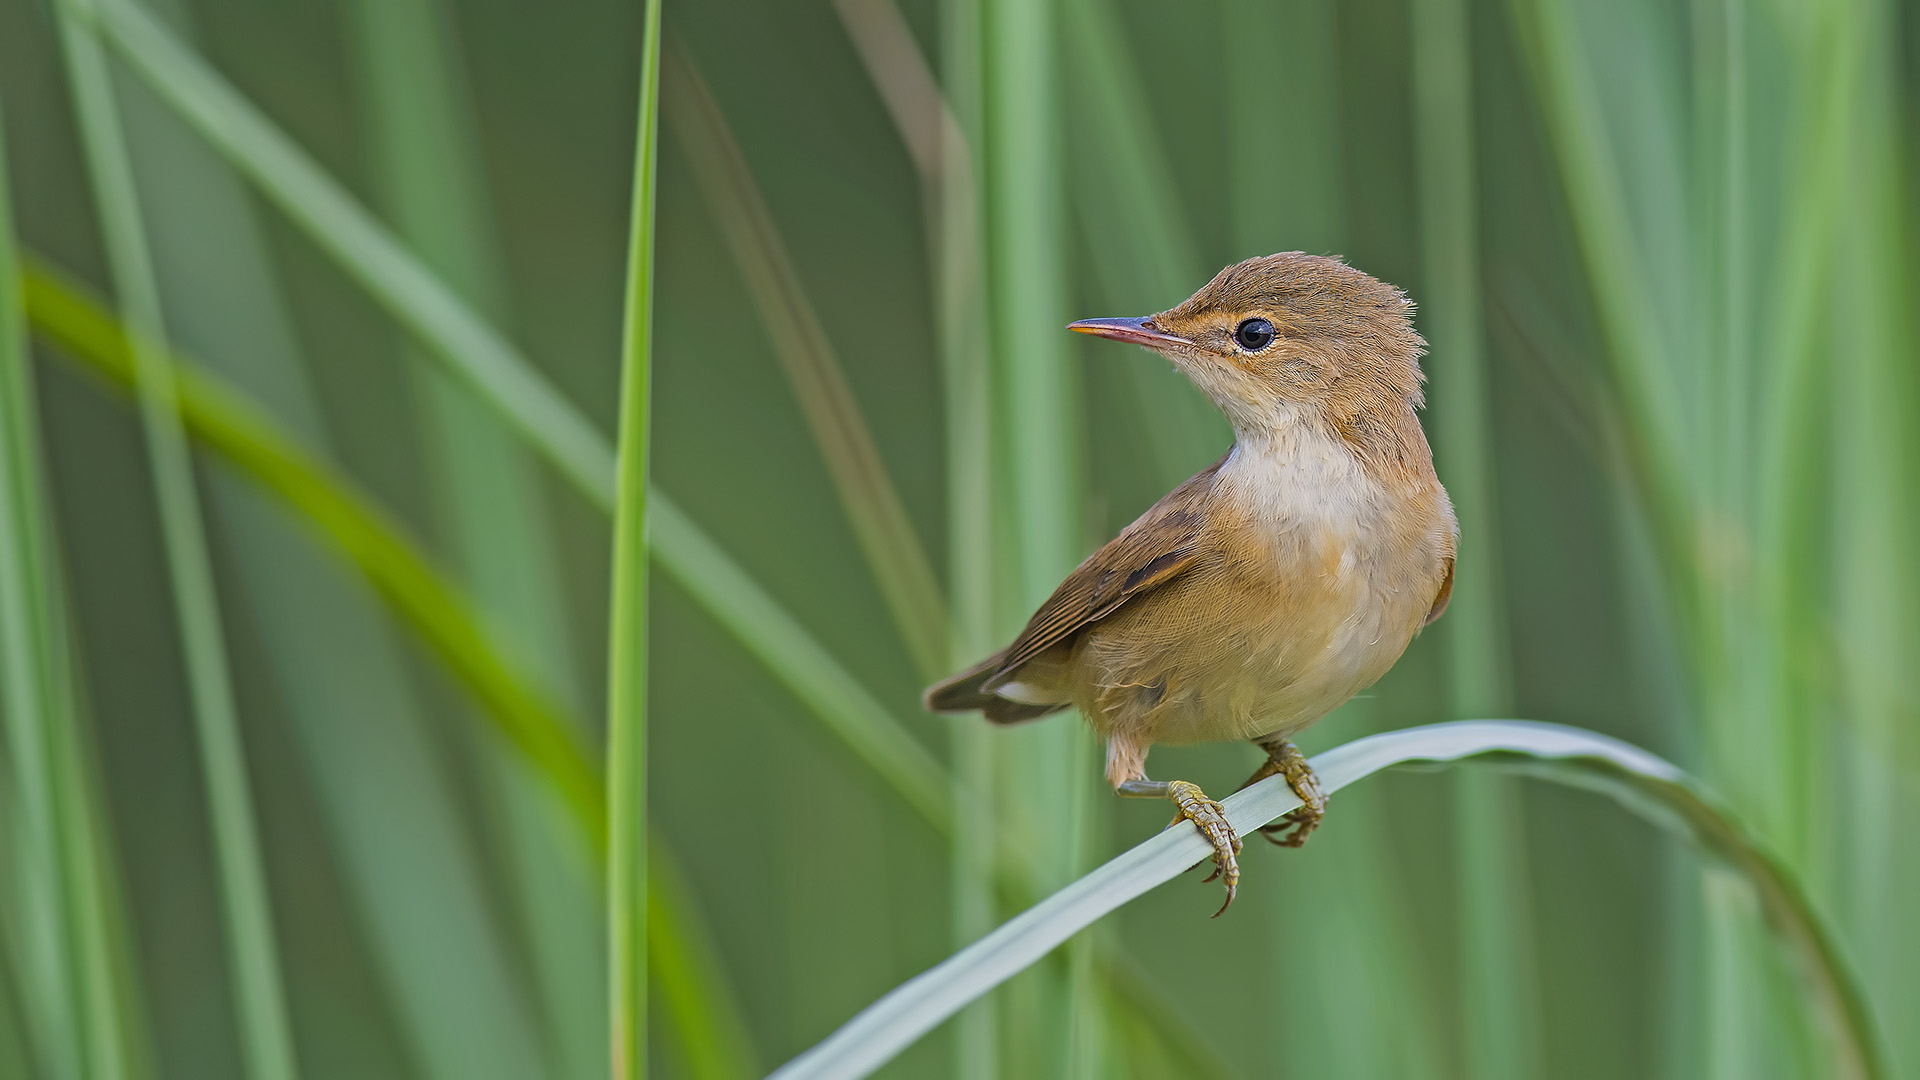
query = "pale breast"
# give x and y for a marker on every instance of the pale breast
(1324, 574)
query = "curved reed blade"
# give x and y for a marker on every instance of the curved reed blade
(1643, 783)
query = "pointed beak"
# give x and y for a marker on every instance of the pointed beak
(1138, 331)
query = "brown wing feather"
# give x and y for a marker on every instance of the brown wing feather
(1152, 551)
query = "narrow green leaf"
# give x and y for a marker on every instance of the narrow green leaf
(225, 423)
(233, 428)
(966, 373)
(1500, 1001)
(55, 914)
(686, 971)
(504, 379)
(1136, 225)
(1643, 783)
(252, 952)
(1586, 160)
(392, 276)
(385, 774)
(893, 551)
(424, 143)
(1045, 772)
(627, 638)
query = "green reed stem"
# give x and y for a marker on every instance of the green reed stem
(627, 640)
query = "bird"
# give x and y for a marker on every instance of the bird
(1275, 584)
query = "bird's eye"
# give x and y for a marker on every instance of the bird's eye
(1254, 334)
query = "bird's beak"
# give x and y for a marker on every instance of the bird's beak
(1138, 331)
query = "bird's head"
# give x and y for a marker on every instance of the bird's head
(1283, 336)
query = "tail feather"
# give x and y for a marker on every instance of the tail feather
(966, 692)
(962, 692)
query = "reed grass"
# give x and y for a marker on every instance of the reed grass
(252, 954)
(459, 337)
(489, 505)
(1043, 772)
(1499, 992)
(627, 638)
(873, 507)
(1696, 387)
(425, 305)
(58, 940)
(335, 222)
(707, 1023)
(527, 717)
(1726, 468)
(530, 721)
(1641, 782)
(387, 777)
(1135, 226)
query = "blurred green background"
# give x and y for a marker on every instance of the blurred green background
(1664, 257)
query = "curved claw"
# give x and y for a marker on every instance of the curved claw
(1297, 824)
(1294, 826)
(1207, 816)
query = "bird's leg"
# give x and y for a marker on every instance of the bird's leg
(1285, 759)
(1206, 816)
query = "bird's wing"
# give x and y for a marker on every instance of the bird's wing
(1152, 551)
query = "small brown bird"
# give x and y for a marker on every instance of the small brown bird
(1278, 582)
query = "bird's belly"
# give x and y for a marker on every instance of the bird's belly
(1212, 660)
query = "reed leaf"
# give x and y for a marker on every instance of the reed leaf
(252, 953)
(1137, 228)
(938, 128)
(417, 113)
(1498, 995)
(893, 551)
(225, 423)
(627, 637)
(385, 775)
(1044, 772)
(60, 946)
(1641, 782)
(502, 377)
(232, 428)
(416, 298)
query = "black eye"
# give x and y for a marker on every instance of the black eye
(1254, 334)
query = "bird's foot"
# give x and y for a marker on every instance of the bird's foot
(1206, 816)
(1293, 828)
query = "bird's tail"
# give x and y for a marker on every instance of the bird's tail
(966, 692)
